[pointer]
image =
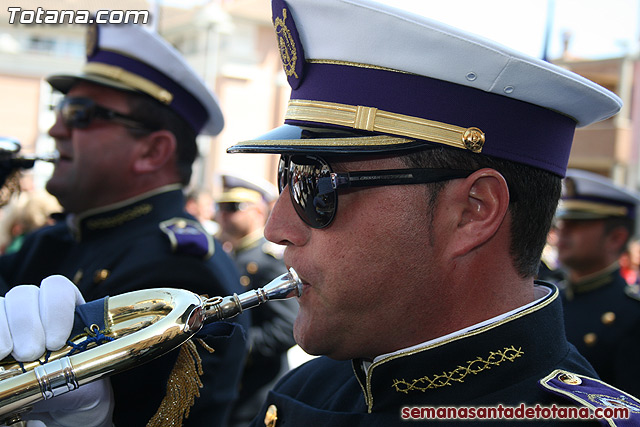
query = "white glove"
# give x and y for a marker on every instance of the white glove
(33, 320)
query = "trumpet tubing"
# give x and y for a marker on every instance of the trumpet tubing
(145, 324)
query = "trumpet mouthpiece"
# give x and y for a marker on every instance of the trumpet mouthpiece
(282, 287)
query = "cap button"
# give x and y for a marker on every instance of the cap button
(165, 97)
(271, 416)
(473, 139)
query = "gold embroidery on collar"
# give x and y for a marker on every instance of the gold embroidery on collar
(544, 303)
(594, 281)
(119, 219)
(460, 373)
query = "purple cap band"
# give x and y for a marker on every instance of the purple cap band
(183, 103)
(515, 130)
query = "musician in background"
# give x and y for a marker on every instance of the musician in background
(242, 211)
(199, 203)
(596, 219)
(126, 133)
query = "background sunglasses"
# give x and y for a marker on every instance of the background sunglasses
(78, 113)
(231, 206)
(313, 185)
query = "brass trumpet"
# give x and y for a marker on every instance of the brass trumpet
(9, 149)
(145, 324)
(11, 164)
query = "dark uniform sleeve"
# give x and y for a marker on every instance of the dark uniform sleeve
(221, 369)
(626, 368)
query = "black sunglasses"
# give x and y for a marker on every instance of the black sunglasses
(313, 185)
(231, 207)
(78, 113)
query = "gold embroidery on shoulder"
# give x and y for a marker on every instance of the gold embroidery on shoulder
(460, 373)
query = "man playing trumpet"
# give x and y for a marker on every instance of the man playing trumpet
(126, 132)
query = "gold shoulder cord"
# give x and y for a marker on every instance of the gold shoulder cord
(182, 388)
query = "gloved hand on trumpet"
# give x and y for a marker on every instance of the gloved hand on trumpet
(34, 320)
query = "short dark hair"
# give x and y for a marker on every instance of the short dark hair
(628, 224)
(534, 198)
(158, 116)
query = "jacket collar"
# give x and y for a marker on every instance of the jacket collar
(592, 282)
(123, 213)
(464, 366)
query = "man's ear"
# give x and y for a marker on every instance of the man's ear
(482, 201)
(154, 151)
(616, 239)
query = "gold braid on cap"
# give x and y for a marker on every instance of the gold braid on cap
(375, 120)
(130, 79)
(594, 208)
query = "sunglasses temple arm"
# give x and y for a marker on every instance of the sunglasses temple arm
(351, 179)
(400, 177)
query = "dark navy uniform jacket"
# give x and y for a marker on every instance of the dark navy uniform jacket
(602, 318)
(271, 332)
(147, 242)
(521, 359)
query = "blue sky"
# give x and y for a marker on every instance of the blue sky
(599, 28)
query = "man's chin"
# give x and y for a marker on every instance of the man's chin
(55, 188)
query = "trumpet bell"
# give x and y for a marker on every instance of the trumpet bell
(145, 324)
(142, 325)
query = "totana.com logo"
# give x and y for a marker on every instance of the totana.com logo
(18, 15)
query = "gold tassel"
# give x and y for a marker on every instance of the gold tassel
(182, 388)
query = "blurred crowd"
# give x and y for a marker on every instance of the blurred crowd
(25, 212)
